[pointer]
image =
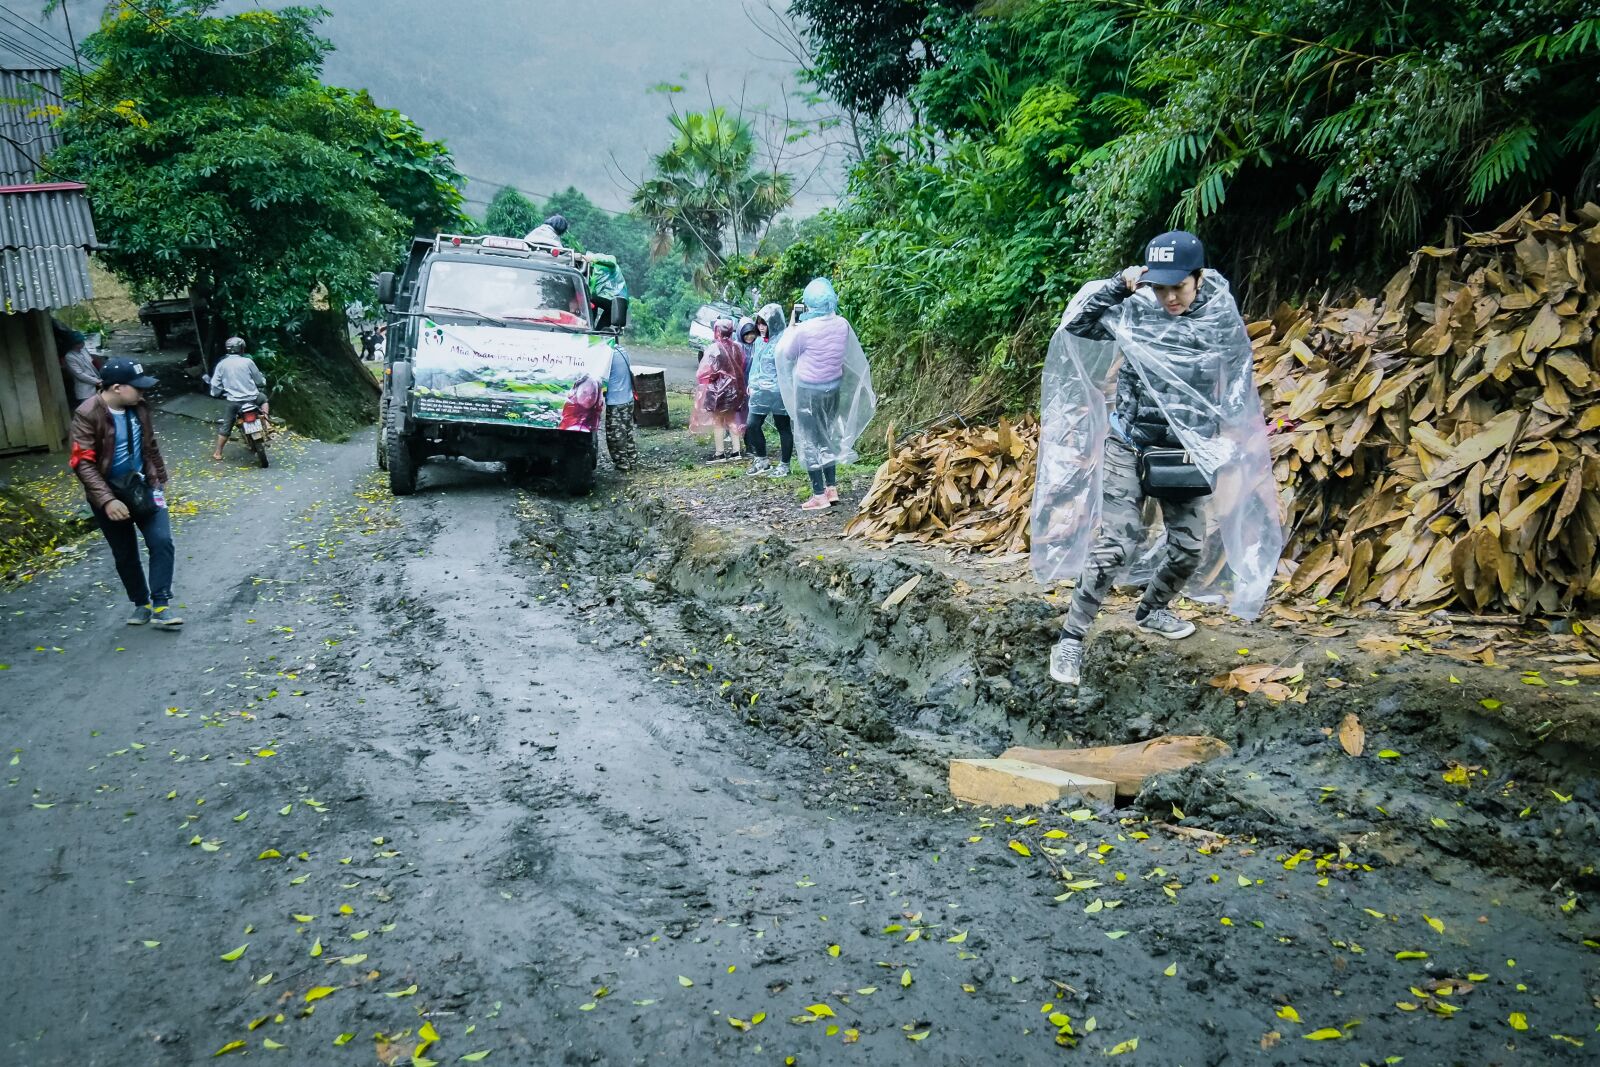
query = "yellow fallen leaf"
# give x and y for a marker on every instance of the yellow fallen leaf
(1020, 848)
(152, 944)
(1123, 1047)
(474, 1057)
(1327, 1033)
(957, 939)
(267, 1042)
(232, 1046)
(1288, 1012)
(236, 953)
(1055, 835)
(917, 1036)
(1518, 1020)
(905, 977)
(1435, 923)
(408, 991)
(686, 983)
(318, 992)
(1172, 969)
(345, 1039)
(820, 1011)
(270, 854)
(1410, 955)
(316, 948)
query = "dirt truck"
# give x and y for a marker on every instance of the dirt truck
(497, 349)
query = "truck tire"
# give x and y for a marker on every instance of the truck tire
(402, 462)
(575, 469)
(383, 431)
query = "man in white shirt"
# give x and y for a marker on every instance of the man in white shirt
(236, 378)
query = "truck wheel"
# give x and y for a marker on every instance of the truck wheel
(402, 463)
(383, 434)
(575, 469)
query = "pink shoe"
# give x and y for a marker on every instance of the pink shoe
(816, 503)
(832, 493)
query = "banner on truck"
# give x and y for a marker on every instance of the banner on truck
(542, 378)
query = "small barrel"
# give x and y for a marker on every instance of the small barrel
(650, 396)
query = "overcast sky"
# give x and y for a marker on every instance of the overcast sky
(532, 93)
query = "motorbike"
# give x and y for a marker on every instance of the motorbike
(254, 426)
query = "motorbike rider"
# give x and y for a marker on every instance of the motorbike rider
(236, 378)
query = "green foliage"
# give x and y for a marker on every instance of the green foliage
(868, 52)
(1308, 142)
(705, 190)
(215, 157)
(510, 214)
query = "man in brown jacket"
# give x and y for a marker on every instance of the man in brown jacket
(114, 449)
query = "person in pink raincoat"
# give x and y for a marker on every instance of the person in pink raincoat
(721, 394)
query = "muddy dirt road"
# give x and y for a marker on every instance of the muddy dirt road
(410, 788)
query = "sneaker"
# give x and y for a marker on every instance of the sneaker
(141, 615)
(760, 466)
(816, 503)
(165, 618)
(1066, 661)
(832, 493)
(779, 471)
(1164, 622)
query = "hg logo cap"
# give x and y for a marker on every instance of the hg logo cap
(1172, 257)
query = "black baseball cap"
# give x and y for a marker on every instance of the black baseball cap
(1172, 257)
(126, 372)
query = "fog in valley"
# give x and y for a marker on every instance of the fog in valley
(532, 93)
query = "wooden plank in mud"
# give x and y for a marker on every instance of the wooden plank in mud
(1013, 783)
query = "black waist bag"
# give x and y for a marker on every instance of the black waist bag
(134, 491)
(1169, 474)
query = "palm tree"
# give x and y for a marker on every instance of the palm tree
(704, 191)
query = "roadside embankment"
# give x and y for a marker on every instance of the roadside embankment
(1492, 762)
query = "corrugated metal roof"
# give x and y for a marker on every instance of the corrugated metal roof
(34, 279)
(35, 134)
(44, 217)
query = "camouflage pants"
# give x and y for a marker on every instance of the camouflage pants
(1122, 530)
(619, 437)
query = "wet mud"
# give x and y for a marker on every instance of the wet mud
(561, 781)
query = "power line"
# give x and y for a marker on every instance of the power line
(41, 38)
(28, 53)
(223, 52)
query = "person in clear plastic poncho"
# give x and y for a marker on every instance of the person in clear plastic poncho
(765, 400)
(1172, 334)
(827, 389)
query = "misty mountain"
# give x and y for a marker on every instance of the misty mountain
(529, 93)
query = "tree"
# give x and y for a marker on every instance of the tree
(215, 156)
(511, 214)
(704, 192)
(869, 52)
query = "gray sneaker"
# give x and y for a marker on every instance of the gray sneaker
(1066, 661)
(1164, 622)
(164, 618)
(141, 615)
(781, 470)
(759, 466)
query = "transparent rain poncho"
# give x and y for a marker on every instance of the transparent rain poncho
(1199, 369)
(825, 381)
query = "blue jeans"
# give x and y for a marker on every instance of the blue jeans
(157, 530)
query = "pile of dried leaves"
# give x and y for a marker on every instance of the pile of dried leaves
(1440, 443)
(1437, 444)
(969, 486)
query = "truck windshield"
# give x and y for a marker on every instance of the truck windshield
(514, 294)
